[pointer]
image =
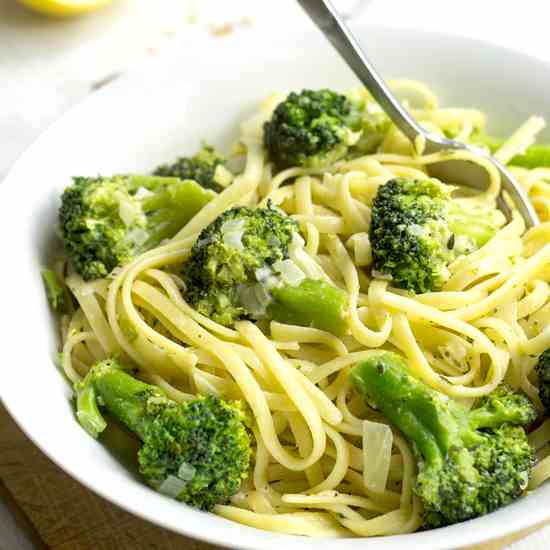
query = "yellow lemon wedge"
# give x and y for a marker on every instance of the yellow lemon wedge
(64, 8)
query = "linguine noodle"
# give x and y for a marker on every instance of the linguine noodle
(485, 326)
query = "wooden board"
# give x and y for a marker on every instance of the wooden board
(60, 514)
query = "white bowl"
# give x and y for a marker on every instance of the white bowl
(141, 121)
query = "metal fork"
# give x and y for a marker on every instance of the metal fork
(456, 171)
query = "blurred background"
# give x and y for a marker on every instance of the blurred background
(48, 64)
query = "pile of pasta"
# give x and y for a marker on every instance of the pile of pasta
(322, 466)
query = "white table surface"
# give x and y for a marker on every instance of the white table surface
(48, 65)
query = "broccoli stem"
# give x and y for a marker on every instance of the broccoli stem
(125, 398)
(463, 471)
(172, 204)
(415, 408)
(313, 303)
(536, 156)
(409, 405)
(470, 224)
(87, 411)
(122, 395)
(54, 290)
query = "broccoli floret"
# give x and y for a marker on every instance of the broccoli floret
(106, 222)
(469, 462)
(417, 229)
(197, 452)
(54, 291)
(226, 256)
(239, 268)
(374, 124)
(202, 168)
(542, 369)
(317, 127)
(312, 128)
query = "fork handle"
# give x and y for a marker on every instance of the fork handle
(323, 14)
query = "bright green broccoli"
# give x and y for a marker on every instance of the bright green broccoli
(311, 303)
(207, 168)
(239, 268)
(469, 462)
(54, 290)
(542, 369)
(417, 230)
(106, 222)
(317, 127)
(535, 156)
(374, 126)
(197, 452)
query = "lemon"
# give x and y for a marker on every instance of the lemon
(64, 8)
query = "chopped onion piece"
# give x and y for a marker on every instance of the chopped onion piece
(232, 232)
(297, 241)
(273, 242)
(138, 236)
(233, 240)
(233, 225)
(186, 471)
(262, 294)
(254, 299)
(222, 176)
(463, 244)
(291, 274)
(377, 446)
(362, 250)
(172, 486)
(380, 275)
(128, 211)
(303, 260)
(142, 192)
(417, 230)
(203, 242)
(272, 282)
(350, 137)
(263, 274)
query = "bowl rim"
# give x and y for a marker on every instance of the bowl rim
(462, 534)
